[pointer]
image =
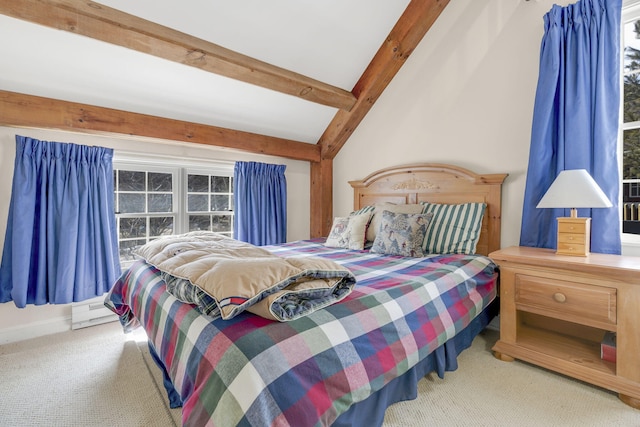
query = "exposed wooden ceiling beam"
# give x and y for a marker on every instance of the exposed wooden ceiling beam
(109, 25)
(402, 40)
(113, 26)
(37, 112)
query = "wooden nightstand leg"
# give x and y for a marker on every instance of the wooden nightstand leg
(506, 358)
(631, 401)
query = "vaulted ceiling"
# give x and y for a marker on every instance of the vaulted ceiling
(289, 78)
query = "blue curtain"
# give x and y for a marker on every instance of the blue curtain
(260, 203)
(61, 244)
(575, 118)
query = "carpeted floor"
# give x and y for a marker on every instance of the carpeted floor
(101, 377)
(88, 377)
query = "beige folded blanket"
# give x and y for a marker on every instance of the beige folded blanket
(238, 276)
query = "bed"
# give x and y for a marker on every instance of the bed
(345, 363)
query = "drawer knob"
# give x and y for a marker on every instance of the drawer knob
(559, 297)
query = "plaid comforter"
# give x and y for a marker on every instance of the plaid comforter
(253, 371)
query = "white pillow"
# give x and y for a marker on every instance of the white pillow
(348, 232)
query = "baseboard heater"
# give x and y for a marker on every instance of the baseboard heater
(90, 313)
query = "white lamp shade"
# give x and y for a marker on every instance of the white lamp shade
(574, 189)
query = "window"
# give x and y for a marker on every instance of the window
(152, 200)
(210, 203)
(144, 204)
(631, 119)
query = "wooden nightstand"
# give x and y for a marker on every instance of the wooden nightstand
(555, 310)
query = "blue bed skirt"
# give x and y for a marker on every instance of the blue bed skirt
(370, 412)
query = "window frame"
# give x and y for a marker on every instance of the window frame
(630, 13)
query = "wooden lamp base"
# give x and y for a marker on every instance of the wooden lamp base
(574, 235)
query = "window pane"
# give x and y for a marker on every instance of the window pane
(631, 98)
(127, 248)
(160, 181)
(131, 203)
(219, 184)
(198, 184)
(632, 46)
(199, 222)
(221, 223)
(219, 203)
(131, 181)
(133, 227)
(197, 203)
(160, 203)
(160, 226)
(631, 154)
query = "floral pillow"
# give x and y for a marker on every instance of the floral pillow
(348, 232)
(378, 208)
(401, 234)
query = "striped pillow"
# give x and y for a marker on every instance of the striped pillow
(454, 229)
(366, 209)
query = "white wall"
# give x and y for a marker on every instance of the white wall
(39, 320)
(465, 96)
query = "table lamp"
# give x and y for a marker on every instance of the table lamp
(574, 189)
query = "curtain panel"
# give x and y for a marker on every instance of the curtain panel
(260, 203)
(575, 119)
(61, 242)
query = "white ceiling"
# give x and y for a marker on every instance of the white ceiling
(331, 41)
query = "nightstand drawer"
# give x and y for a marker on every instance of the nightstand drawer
(571, 238)
(565, 299)
(568, 226)
(571, 246)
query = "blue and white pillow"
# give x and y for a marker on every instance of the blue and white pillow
(378, 208)
(401, 234)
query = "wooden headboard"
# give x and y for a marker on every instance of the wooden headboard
(437, 183)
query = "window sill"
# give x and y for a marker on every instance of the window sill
(630, 244)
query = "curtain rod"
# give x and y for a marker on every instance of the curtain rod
(126, 155)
